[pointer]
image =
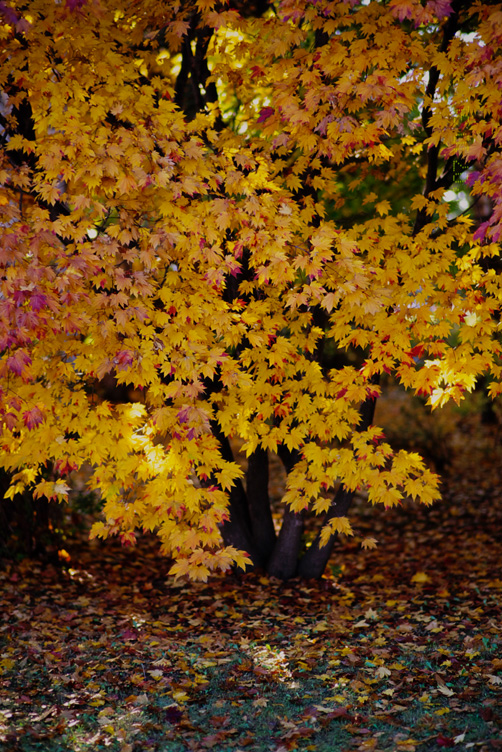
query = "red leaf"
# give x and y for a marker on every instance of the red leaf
(38, 301)
(18, 362)
(481, 231)
(265, 113)
(129, 634)
(10, 421)
(444, 741)
(33, 418)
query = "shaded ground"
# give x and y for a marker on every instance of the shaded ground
(397, 648)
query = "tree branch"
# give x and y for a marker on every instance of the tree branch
(431, 180)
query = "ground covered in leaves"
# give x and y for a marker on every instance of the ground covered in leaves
(396, 648)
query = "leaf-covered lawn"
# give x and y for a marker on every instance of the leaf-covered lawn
(399, 650)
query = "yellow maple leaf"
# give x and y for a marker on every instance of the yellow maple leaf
(335, 525)
(369, 543)
(420, 578)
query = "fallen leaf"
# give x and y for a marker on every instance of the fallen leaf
(382, 672)
(369, 543)
(420, 578)
(370, 614)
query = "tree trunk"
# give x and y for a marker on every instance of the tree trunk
(262, 524)
(237, 530)
(315, 560)
(284, 560)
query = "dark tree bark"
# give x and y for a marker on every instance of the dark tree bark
(237, 531)
(262, 524)
(283, 562)
(250, 526)
(314, 561)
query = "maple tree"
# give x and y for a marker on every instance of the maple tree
(246, 214)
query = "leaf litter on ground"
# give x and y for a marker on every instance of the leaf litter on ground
(397, 647)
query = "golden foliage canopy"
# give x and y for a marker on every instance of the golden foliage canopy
(207, 201)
